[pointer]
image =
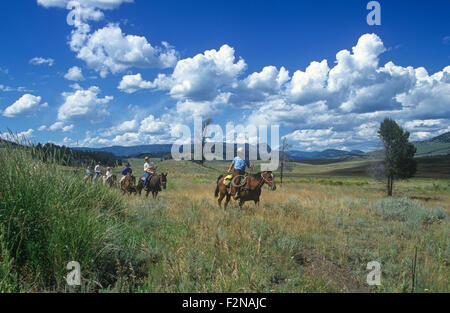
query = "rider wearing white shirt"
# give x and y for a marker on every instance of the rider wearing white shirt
(98, 171)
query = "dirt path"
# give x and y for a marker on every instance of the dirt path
(337, 277)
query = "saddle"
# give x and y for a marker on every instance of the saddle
(227, 180)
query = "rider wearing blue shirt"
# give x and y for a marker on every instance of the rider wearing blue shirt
(127, 170)
(239, 165)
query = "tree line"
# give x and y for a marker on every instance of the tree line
(69, 157)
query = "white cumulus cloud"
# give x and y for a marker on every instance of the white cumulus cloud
(109, 50)
(133, 83)
(58, 126)
(202, 77)
(74, 74)
(26, 105)
(83, 104)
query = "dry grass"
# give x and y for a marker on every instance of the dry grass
(315, 234)
(217, 250)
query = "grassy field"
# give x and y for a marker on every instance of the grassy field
(316, 233)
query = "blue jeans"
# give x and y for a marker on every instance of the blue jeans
(147, 176)
(95, 177)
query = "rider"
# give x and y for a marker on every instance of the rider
(239, 163)
(98, 171)
(126, 170)
(107, 175)
(88, 173)
(149, 169)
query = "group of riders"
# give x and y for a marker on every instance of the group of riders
(233, 182)
(149, 170)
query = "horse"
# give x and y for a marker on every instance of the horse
(250, 191)
(110, 181)
(128, 184)
(88, 178)
(99, 178)
(154, 184)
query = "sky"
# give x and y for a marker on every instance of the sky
(124, 72)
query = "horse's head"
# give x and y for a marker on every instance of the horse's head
(163, 180)
(269, 179)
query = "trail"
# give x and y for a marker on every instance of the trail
(336, 276)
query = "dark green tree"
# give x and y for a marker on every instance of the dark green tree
(284, 159)
(399, 153)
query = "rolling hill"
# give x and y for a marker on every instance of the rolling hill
(439, 145)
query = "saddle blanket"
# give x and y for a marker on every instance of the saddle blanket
(227, 180)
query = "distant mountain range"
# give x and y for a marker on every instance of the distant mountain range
(151, 150)
(133, 151)
(160, 149)
(439, 145)
(326, 154)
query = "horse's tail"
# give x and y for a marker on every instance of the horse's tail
(216, 193)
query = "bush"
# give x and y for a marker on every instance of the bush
(411, 212)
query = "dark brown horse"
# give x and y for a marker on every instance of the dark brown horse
(154, 184)
(111, 181)
(128, 184)
(250, 191)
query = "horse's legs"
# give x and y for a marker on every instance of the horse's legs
(227, 200)
(219, 201)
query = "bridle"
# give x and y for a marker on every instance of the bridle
(161, 181)
(264, 180)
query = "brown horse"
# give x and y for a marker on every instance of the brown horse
(154, 184)
(111, 181)
(88, 178)
(250, 191)
(128, 184)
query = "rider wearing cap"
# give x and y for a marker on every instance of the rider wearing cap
(98, 171)
(149, 169)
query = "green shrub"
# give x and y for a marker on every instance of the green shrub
(411, 212)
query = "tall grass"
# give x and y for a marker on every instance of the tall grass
(48, 218)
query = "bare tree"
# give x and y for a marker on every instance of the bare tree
(205, 126)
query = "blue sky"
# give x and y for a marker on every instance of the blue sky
(133, 72)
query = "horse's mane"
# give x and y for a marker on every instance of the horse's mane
(257, 175)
